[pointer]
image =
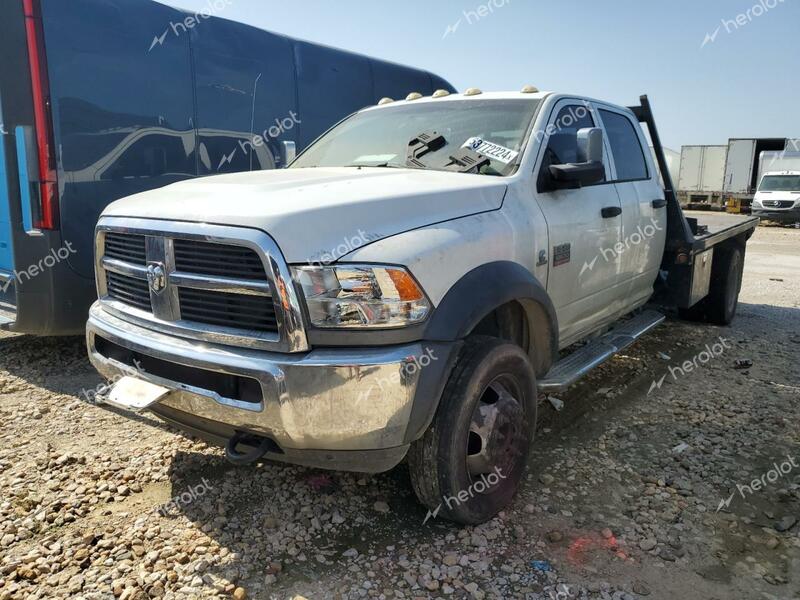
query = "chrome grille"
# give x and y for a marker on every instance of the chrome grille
(778, 203)
(128, 290)
(208, 282)
(127, 247)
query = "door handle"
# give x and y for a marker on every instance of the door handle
(610, 212)
(659, 203)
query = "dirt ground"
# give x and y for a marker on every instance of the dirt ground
(656, 479)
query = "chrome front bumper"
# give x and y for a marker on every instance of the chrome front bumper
(324, 400)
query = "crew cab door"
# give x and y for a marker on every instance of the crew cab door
(644, 213)
(584, 227)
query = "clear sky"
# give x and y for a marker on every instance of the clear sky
(744, 82)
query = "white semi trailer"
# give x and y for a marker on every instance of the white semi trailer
(702, 175)
(742, 168)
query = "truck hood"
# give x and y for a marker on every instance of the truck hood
(320, 214)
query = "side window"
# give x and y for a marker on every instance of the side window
(562, 140)
(625, 146)
(153, 155)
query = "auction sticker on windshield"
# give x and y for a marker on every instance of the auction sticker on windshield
(490, 150)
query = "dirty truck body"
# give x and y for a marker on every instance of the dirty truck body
(405, 288)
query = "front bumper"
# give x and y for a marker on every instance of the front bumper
(786, 215)
(344, 408)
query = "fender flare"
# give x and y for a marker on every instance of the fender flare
(481, 291)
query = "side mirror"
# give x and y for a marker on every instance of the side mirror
(590, 145)
(589, 169)
(288, 152)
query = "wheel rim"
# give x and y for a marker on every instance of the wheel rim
(496, 441)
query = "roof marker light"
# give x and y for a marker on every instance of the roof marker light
(440, 93)
(414, 96)
(473, 92)
(529, 89)
(386, 100)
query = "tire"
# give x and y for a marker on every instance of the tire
(719, 307)
(480, 438)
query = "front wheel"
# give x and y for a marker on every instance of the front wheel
(469, 463)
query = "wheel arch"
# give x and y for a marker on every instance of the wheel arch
(492, 288)
(474, 297)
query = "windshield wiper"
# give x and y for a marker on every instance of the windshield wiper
(384, 165)
(422, 144)
(466, 160)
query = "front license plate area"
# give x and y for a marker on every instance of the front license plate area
(130, 393)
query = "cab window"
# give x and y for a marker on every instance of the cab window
(562, 140)
(625, 146)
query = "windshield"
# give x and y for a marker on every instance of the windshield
(496, 129)
(780, 183)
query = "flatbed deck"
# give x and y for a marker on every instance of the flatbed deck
(721, 226)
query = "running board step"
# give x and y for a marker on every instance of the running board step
(574, 366)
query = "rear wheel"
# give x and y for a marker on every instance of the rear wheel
(468, 465)
(719, 307)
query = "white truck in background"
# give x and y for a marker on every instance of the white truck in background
(508, 243)
(742, 168)
(778, 195)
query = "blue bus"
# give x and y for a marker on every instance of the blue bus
(100, 99)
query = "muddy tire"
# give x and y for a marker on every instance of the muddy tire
(719, 307)
(469, 463)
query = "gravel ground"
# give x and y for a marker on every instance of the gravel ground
(633, 490)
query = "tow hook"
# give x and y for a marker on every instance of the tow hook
(260, 446)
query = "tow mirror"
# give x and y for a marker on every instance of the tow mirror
(589, 169)
(288, 152)
(590, 145)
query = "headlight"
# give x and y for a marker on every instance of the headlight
(361, 296)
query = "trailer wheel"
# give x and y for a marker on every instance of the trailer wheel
(469, 463)
(719, 307)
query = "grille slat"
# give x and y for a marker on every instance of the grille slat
(229, 310)
(126, 247)
(128, 290)
(207, 258)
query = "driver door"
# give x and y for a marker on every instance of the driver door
(584, 227)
